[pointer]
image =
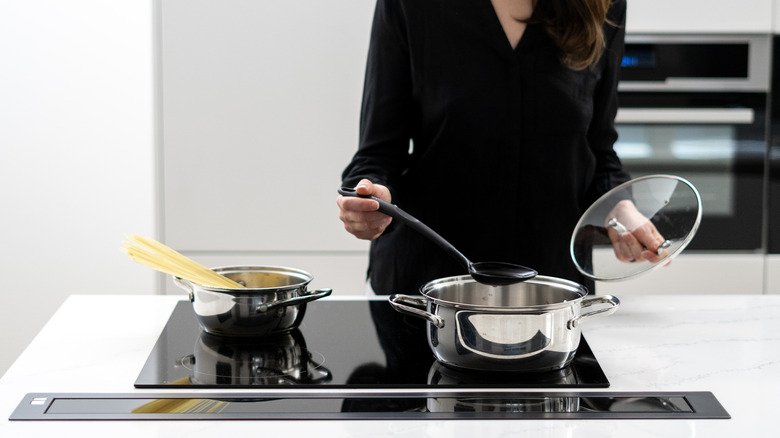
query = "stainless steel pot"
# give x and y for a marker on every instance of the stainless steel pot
(273, 302)
(524, 327)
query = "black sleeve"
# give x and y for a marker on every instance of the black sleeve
(602, 133)
(385, 122)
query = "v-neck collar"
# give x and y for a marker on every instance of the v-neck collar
(493, 24)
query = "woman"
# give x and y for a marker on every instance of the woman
(510, 107)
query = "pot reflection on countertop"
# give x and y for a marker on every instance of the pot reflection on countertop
(445, 376)
(275, 360)
(503, 403)
(442, 375)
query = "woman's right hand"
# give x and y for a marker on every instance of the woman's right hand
(634, 237)
(360, 215)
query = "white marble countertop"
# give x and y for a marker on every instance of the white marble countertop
(729, 345)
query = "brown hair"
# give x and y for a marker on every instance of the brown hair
(576, 27)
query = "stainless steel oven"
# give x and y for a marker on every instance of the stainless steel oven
(773, 215)
(696, 106)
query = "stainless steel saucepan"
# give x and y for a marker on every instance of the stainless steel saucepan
(273, 302)
(532, 326)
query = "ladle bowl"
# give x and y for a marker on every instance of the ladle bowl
(490, 273)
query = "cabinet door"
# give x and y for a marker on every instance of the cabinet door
(259, 112)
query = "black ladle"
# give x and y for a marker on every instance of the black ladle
(490, 273)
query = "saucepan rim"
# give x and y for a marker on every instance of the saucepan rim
(304, 276)
(577, 291)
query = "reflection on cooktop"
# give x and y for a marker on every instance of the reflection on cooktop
(340, 344)
(277, 360)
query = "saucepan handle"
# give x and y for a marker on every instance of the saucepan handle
(415, 306)
(611, 303)
(186, 285)
(299, 299)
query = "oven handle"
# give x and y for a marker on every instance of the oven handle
(679, 116)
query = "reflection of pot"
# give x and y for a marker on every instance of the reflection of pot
(636, 404)
(524, 327)
(442, 375)
(281, 359)
(499, 402)
(274, 301)
(508, 403)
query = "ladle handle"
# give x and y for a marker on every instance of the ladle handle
(397, 213)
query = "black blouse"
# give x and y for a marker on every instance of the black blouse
(499, 150)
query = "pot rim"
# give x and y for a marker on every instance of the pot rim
(574, 287)
(304, 276)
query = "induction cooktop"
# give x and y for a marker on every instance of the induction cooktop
(339, 344)
(349, 360)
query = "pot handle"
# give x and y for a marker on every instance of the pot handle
(611, 301)
(299, 299)
(186, 285)
(414, 306)
(187, 359)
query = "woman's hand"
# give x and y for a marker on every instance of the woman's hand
(634, 237)
(360, 215)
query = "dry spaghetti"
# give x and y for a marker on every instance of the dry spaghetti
(155, 255)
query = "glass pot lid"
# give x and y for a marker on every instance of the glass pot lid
(636, 227)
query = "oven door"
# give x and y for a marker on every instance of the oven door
(717, 142)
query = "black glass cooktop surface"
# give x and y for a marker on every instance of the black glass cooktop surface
(339, 344)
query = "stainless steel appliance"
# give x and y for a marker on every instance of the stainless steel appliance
(696, 106)
(773, 216)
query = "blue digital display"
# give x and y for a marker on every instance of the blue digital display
(638, 59)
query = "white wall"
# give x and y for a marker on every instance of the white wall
(76, 155)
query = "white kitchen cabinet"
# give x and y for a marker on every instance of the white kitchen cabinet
(259, 114)
(259, 117)
(700, 16)
(772, 270)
